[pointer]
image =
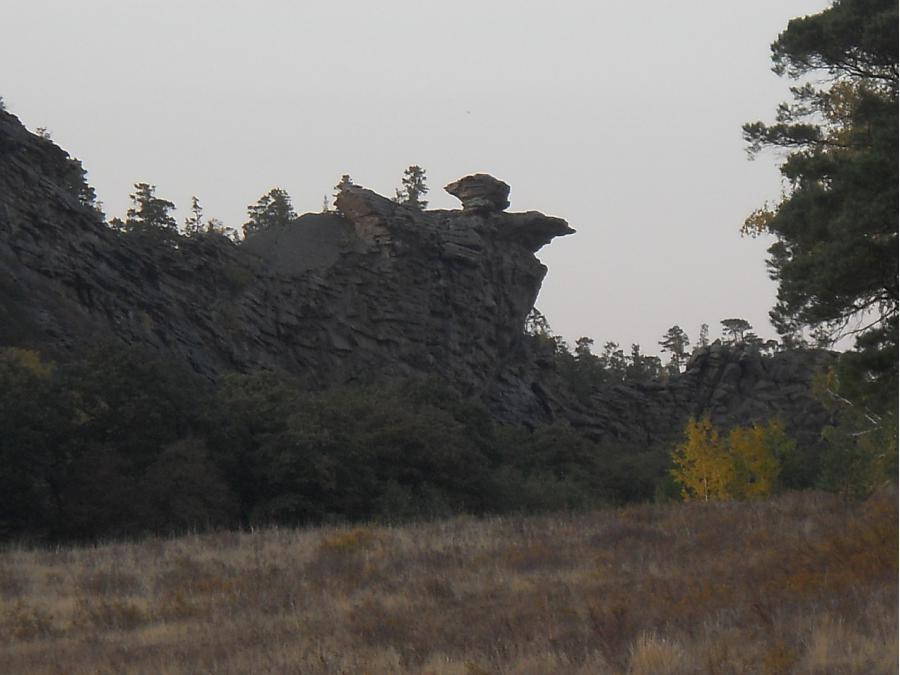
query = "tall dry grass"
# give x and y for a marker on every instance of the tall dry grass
(798, 584)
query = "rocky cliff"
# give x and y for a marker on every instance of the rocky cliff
(377, 290)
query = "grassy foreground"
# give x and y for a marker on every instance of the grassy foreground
(801, 583)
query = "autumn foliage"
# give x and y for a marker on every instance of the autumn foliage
(744, 464)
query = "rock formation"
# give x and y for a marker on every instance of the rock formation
(734, 385)
(378, 291)
(480, 192)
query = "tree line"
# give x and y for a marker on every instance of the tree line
(584, 369)
(150, 214)
(119, 441)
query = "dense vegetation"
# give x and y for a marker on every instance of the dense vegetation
(122, 442)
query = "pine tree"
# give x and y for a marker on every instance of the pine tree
(613, 361)
(149, 213)
(75, 181)
(273, 208)
(735, 329)
(641, 368)
(676, 342)
(345, 181)
(583, 349)
(536, 323)
(835, 254)
(216, 226)
(193, 224)
(703, 340)
(413, 188)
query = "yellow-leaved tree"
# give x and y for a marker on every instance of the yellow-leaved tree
(755, 453)
(745, 464)
(702, 464)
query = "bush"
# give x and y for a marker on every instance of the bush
(354, 453)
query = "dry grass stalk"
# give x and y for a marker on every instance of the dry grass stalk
(802, 583)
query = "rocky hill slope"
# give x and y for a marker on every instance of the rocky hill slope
(378, 290)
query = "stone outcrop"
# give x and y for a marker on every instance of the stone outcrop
(378, 290)
(480, 192)
(381, 290)
(734, 385)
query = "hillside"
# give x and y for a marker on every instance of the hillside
(376, 292)
(802, 583)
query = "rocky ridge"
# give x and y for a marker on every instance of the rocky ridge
(378, 290)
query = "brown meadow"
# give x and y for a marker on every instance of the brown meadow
(801, 583)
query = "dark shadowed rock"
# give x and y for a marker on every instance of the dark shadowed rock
(532, 229)
(735, 385)
(312, 241)
(380, 291)
(480, 192)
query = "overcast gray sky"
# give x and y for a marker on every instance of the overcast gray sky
(622, 117)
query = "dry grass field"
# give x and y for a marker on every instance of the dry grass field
(797, 584)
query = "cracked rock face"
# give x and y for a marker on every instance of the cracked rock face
(378, 291)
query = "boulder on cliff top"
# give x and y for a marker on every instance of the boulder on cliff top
(480, 192)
